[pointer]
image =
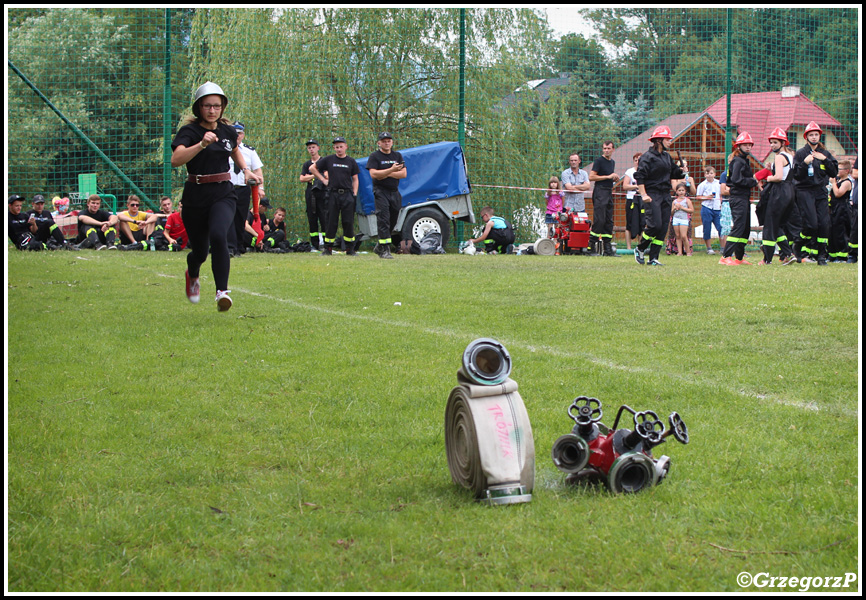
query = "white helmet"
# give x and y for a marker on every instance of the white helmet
(206, 89)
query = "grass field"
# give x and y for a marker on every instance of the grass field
(296, 442)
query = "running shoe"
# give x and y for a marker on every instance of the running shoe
(654, 263)
(638, 256)
(192, 289)
(789, 259)
(741, 262)
(727, 260)
(223, 301)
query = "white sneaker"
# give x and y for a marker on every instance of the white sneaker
(710, 251)
(223, 301)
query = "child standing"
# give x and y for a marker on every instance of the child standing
(710, 195)
(682, 209)
(554, 204)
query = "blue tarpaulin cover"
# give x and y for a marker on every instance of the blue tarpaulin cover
(434, 172)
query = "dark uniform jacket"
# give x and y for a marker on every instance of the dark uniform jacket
(823, 169)
(655, 171)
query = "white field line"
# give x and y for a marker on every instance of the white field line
(543, 349)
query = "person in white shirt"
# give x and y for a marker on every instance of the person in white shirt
(243, 190)
(709, 193)
(634, 220)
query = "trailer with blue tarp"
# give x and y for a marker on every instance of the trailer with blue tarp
(436, 191)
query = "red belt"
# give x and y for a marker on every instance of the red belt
(209, 178)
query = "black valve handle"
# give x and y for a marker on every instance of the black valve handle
(588, 410)
(648, 426)
(678, 428)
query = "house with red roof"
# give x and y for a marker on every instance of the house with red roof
(700, 137)
(760, 112)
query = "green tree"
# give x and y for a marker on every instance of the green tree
(631, 117)
(85, 55)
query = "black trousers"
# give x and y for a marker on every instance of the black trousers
(779, 198)
(741, 215)
(242, 208)
(657, 215)
(840, 229)
(815, 215)
(207, 228)
(317, 213)
(602, 213)
(634, 219)
(341, 210)
(388, 205)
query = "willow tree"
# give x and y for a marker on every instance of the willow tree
(300, 73)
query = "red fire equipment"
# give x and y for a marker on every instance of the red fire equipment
(622, 458)
(572, 232)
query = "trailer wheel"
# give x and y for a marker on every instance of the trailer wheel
(423, 221)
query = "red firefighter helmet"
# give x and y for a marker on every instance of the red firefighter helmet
(812, 126)
(779, 134)
(661, 132)
(743, 138)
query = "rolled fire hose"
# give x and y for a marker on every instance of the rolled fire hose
(545, 247)
(488, 438)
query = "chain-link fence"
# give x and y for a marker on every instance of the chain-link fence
(102, 91)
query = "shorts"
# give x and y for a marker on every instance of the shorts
(683, 222)
(727, 220)
(550, 219)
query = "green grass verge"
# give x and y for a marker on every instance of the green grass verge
(296, 442)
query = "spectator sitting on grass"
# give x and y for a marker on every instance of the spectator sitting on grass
(47, 230)
(21, 226)
(96, 227)
(175, 232)
(275, 230)
(158, 240)
(135, 225)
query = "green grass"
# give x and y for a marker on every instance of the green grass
(296, 443)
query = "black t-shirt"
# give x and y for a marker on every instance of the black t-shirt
(339, 170)
(213, 159)
(103, 216)
(603, 166)
(18, 226)
(315, 183)
(43, 219)
(273, 227)
(379, 160)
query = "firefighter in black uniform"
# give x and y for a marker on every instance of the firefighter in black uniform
(386, 168)
(21, 226)
(840, 213)
(656, 168)
(47, 230)
(314, 194)
(740, 181)
(342, 185)
(813, 168)
(604, 176)
(777, 200)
